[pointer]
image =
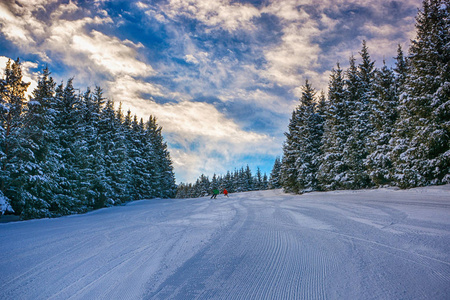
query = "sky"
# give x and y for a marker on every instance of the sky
(222, 77)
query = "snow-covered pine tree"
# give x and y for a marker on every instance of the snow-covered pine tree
(362, 127)
(111, 137)
(99, 145)
(137, 164)
(13, 100)
(309, 128)
(249, 184)
(333, 169)
(215, 182)
(400, 70)
(274, 179)
(165, 187)
(66, 198)
(119, 167)
(321, 106)
(265, 182)
(90, 149)
(227, 182)
(289, 172)
(258, 180)
(37, 131)
(384, 113)
(358, 91)
(203, 186)
(422, 142)
(183, 190)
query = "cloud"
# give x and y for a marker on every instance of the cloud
(110, 54)
(66, 35)
(191, 59)
(221, 14)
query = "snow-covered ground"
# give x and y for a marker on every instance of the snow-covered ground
(375, 244)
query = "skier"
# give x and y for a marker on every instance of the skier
(215, 193)
(225, 192)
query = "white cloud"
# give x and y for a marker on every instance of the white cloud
(127, 88)
(215, 14)
(190, 59)
(296, 55)
(110, 54)
(89, 52)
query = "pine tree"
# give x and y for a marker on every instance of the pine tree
(400, 70)
(384, 107)
(289, 172)
(114, 185)
(67, 199)
(265, 182)
(35, 180)
(361, 120)
(227, 182)
(12, 98)
(165, 185)
(258, 180)
(309, 129)
(214, 182)
(274, 180)
(89, 149)
(333, 169)
(358, 92)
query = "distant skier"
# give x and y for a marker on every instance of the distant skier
(215, 193)
(225, 192)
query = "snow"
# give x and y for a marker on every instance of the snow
(4, 205)
(374, 244)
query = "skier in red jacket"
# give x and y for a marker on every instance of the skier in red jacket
(225, 192)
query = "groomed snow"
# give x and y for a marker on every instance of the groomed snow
(375, 244)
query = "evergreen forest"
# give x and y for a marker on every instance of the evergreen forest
(377, 127)
(241, 180)
(63, 152)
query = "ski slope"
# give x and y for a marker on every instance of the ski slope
(375, 244)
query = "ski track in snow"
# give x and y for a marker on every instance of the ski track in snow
(374, 244)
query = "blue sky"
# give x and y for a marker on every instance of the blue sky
(221, 76)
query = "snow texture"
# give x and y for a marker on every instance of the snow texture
(373, 244)
(4, 205)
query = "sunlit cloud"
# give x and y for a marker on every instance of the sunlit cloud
(110, 54)
(222, 14)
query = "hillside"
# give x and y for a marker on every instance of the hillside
(372, 244)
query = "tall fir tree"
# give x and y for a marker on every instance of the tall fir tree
(165, 186)
(309, 128)
(36, 176)
(384, 114)
(12, 152)
(289, 172)
(274, 179)
(333, 170)
(67, 199)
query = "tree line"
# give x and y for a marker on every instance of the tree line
(376, 127)
(63, 152)
(241, 180)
